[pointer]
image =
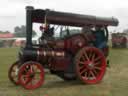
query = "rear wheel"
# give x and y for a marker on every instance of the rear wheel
(90, 65)
(31, 75)
(13, 73)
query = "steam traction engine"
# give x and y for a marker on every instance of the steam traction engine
(82, 55)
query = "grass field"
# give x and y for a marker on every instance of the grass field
(115, 82)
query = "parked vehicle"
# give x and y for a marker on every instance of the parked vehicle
(119, 40)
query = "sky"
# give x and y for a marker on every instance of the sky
(12, 12)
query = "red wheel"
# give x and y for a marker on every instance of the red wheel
(90, 65)
(13, 73)
(31, 75)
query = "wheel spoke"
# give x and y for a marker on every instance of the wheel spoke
(93, 75)
(29, 82)
(90, 54)
(81, 67)
(95, 72)
(83, 70)
(32, 69)
(86, 74)
(97, 63)
(85, 54)
(83, 58)
(98, 68)
(35, 68)
(80, 62)
(99, 57)
(93, 56)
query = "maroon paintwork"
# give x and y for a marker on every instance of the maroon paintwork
(72, 45)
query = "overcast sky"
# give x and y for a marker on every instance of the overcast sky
(12, 12)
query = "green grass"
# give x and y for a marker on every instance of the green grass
(115, 82)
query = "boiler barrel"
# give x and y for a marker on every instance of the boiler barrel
(38, 54)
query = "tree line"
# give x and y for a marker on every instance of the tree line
(19, 31)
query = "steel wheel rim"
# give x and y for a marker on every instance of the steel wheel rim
(93, 66)
(28, 79)
(13, 73)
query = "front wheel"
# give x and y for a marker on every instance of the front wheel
(31, 75)
(90, 65)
